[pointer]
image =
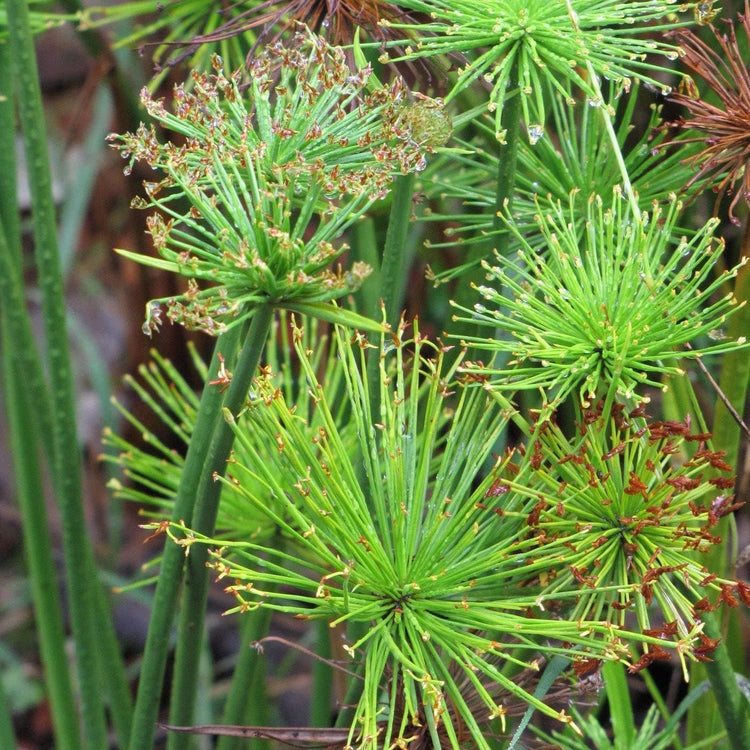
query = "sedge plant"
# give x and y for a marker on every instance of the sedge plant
(489, 527)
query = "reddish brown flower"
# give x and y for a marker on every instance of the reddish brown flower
(723, 130)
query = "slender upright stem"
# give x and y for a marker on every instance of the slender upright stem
(18, 349)
(505, 185)
(322, 677)
(6, 720)
(170, 573)
(254, 627)
(392, 268)
(731, 704)
(607, 119)
(190, 631)
(507, 157)
(734, 381)
(67, 461)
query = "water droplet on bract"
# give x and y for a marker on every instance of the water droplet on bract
(595, 103)
(535, 186)
(717, 334)
(535, 133)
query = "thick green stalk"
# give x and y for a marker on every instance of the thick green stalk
(190, 632)
(67, 465)
(392, 269)
(7, 738)
(365, 248)
(322, 677)
(114, 676)
(17, 347)
(730, 702)
(254, 627)
(734, 382)
(507, 159)
(24, 385)
(620, 707)
(170, 573)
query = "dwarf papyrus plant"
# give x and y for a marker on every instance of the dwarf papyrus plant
(606, 313)
(411, 547)
(249, 203)
(521, 47)
(631, 504)
(274, 171)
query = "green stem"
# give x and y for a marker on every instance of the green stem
(365, 248)
(115, 679)
(24, 385)
(507, 157)
(7, 738)
(735, 376)
(190, 633)
(620, 707)
(170, 574)
(730, 701)
(67, 464)
(393, 268)
(254, 627)
(17, 347)
(322, 677)
(734, 381)
(607, 118)
(507, 161)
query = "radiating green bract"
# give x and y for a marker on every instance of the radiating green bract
(272, 174)
(607, 313)
(545, 41)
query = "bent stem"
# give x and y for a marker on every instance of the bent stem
(170, 574)
(190, 631)
(607, 119)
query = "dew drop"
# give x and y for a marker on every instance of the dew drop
(535, 133)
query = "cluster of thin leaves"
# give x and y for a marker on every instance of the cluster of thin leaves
(377, 479)
(412, 543)
(273, 176)
(604, 314)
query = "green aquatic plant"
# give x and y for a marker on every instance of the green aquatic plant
(272, 175)
(608, 313)
(522, 47)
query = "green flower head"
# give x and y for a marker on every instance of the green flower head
(606, 313)
(402, 538)
(518, 44)
(264, 178)
(626, 512)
